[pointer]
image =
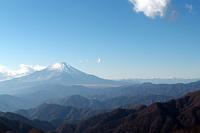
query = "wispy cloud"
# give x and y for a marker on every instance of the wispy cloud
(99, 60)
(150, 8)
(189, 7)
(21, 71)
(3, 69)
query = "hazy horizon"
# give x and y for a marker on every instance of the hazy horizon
(26, 69)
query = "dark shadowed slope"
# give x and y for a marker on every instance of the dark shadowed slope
(176, 116)
(11, 126)
(43, 125)
(57, 113)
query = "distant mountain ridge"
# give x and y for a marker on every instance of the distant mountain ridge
(114, 96)
(78, 101)
(160, 80)
(57, 114)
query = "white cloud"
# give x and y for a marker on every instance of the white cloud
(21, 71)
(26, 69)
(189, 7)
(99, 60)
(3, 69)
(151, 8)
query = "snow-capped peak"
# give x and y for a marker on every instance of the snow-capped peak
(63, 67)
(60, 66)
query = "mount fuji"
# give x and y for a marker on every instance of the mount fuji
(55, 74)
(62, 73)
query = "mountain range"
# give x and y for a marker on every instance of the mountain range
(57, 114)
(63, 99)
(175, 116)
(60, 81)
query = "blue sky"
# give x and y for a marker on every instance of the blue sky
(129, 43)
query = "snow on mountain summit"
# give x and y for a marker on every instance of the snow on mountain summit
(64, 67)
(61, 74)
(60, 66)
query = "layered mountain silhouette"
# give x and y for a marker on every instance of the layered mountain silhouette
(57, 114)
(176, 116)
(78, 101)
(13, 123)
(63, 99)
(96, 98)
(38, 124)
